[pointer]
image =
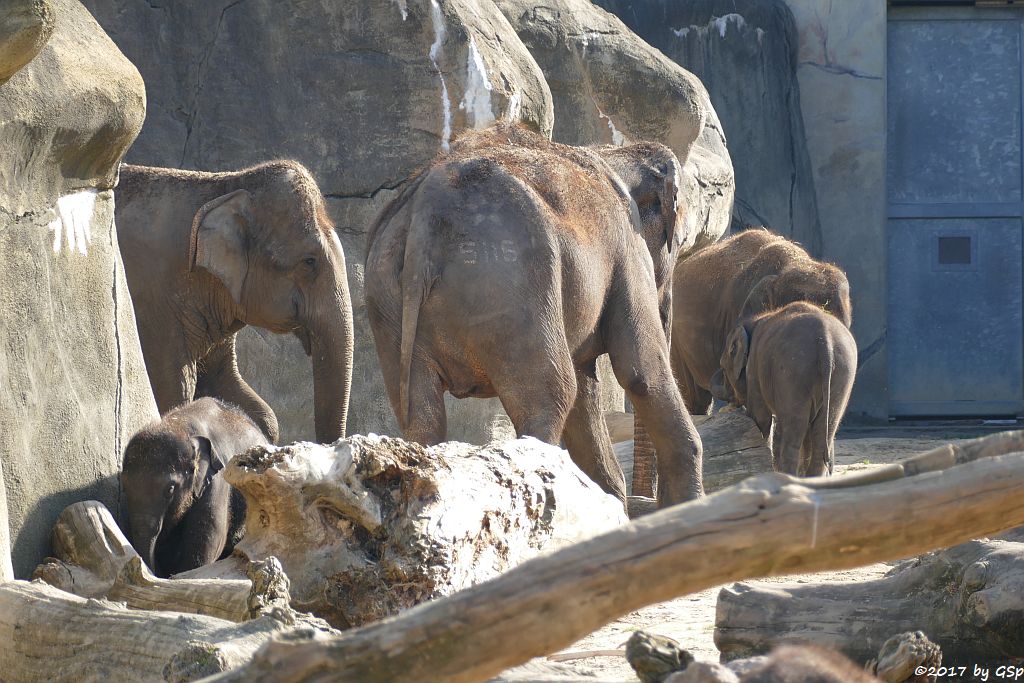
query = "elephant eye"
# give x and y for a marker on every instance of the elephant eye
(170, 490)
(309, 262)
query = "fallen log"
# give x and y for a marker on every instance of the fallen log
(768, 525)
(95, 560)
(48, 636)
(372, 525)
(966, 599)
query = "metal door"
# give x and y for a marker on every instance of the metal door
(956, 201)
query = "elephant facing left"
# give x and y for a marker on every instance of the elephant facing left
(206, 254)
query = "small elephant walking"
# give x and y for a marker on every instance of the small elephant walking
(796, 363)
(507, 267)
(181, 514)
(206, 254)
(749, 273)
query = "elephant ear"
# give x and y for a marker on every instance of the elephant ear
(759, 299)
(737, 346)
(213, 459)
(218, 239)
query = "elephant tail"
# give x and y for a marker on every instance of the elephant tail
(418, 276)
(820, 428)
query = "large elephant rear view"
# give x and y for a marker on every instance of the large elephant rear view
(507, 267)
(206, 254)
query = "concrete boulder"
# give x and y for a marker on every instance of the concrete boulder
(744, 51)
(361, 92)
(73, 386)
(609, 87)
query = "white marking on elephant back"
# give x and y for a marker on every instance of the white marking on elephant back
(722, 23)
(515, 106)
(73, 221)
(617, 137)
(476, 102)
(437, 19)
(403, 7)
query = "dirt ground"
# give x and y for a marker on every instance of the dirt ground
(691, 619)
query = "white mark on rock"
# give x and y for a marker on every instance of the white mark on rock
(435, 49)
(515, 106)
(722, 23)
(73, 221)
(588, 36)
(682, 32)
(617, 137)
(816, 498)
(403, 7)
(760, 35)
(477, 100)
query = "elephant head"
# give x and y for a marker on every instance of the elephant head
(822, 284)
(163, 475)
(729, 383)
(650, 173)
(273, 249)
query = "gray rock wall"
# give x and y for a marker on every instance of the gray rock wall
(745, 53)
(73, 386)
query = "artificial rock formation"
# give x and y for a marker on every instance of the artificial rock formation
(374, 525)
(745, 53)
(72, 383)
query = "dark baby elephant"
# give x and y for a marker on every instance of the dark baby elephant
(797, 364)
(742, 276)
(181, 513)
(206, 254)
(507, 267)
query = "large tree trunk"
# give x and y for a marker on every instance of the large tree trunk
(967, 599)
(768, 525)
(371, 526)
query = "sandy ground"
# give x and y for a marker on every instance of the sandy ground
(690, 620)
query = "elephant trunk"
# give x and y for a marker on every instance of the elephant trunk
(330, 349)
(145, 530)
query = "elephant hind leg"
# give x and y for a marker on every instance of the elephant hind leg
(788, 438)
(428, 421)
(586, 435)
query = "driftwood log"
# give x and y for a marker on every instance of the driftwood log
(374, 525)
(48, 635)
(95, 560)
(968, 599)
(768, 525)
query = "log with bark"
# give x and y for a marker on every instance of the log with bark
(372, 525)
(968, 599)
(768, 525)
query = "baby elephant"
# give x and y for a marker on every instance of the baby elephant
(181, 515)
(796, 363)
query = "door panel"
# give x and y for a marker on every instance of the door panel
(954, 176)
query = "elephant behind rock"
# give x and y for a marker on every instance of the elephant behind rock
(507, 266)
(795, 364)
(742, 276)
(181, 513)
(206, 254)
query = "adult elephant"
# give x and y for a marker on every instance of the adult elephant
(507, 266)
(736, 279)
(206, 254)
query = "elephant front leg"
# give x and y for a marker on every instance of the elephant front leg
(219, 378)
(586, 435)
